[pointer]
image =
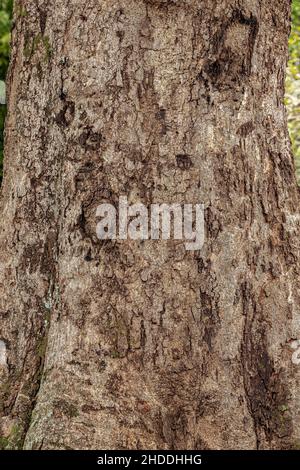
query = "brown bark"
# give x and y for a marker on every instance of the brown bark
(123, 344)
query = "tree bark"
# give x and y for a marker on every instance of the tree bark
(130, 344)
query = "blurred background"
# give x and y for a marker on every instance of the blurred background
(292, 82)
(293, 85)
(5, 25)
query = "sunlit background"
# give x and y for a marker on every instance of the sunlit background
(5, 25)
(292, 84)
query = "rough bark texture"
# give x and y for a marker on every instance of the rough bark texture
(123, 344)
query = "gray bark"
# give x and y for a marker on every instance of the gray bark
(123, 344)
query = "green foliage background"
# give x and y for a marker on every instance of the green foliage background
(292, 83)
(5, 26)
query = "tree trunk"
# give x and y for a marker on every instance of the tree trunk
(131, 344)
